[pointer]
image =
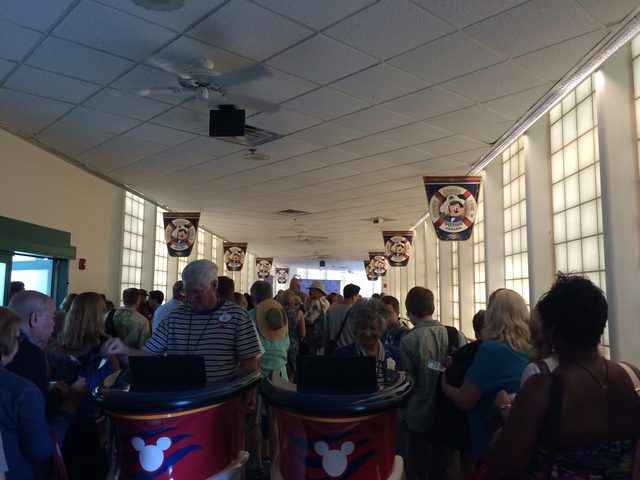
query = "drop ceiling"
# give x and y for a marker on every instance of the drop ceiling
(364, 98)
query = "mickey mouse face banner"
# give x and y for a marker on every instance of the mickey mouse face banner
(378, 263)
(453, 204)
(180, 232)
(234, 254)
(263, 267)
(282, 274)
(397, 246)
(370, 273)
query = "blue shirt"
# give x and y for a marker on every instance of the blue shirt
(495, 367)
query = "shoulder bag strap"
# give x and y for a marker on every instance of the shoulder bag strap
(542, 366)
(452, 338)
(632, 375)
(344, 322)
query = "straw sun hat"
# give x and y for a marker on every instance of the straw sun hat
(271, 319)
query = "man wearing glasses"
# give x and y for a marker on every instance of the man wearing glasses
(207, 325)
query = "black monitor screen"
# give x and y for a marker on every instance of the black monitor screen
(226, 122)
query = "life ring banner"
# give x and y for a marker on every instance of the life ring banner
(453, 205)
(180, 232)
(263, 267)
(234, 254)
(378, 263)
(282, 274)
(370, 273)
(397, 246)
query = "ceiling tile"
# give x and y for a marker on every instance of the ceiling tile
(531, 26)
(248, 36)
(370, 146)
(373, 120)
(283, 121)
(494, 82)
(464, 13)
(379, 83)
(16, 41)
(403, 156)
(433, 61)
(118, 152)
(186, 119)
(328, 134)
(275, 88)
(5, 67)
(321, 60)
(289, 147)
(552, 63)
(73, 140)
(401, 24)
(514, 106)
(367, 164)
(466, 119)
(42, 13)
(327, 156)
(427, 103)
(159, 134)
(29, 113)
(326, 104)
(143, 78)
(609, 12)
(51, 85)
(489, 133)
(104, 121)
(110, 30)
(126, 104)
(415, 133)
(212, 146)
(64, 57)
(452, 144)
(317, 15)
(436, 166)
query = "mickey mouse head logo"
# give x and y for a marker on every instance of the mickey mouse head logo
(151, 456)
(334, 462)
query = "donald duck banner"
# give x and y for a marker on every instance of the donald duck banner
(263, 267)
(180, 232)
(397, 246)
(234, 254)
(282, 274)
(453, 204)
(378, 263)
(370, 273)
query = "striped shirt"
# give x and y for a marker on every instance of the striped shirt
(223, 335)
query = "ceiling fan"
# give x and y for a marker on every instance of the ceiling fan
(303, 236)
(205, 83)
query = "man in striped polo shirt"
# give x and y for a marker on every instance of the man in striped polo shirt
(207, 325)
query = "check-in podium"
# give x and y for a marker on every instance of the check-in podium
(330, 435)
(193, 434)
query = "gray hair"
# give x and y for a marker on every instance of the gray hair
(260, 291)
(367, 311)
(26, 302)
(204, 272)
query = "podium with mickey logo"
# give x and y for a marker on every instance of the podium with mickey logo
(193, 433)
(336, 435)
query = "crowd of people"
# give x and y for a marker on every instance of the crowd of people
(531, 397)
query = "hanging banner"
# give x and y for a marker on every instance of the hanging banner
(367, 270)
(180, 232)
(263, 267)
(397, 246)
(234, 254)
(453, 204)
(282, 274)
(378, 263)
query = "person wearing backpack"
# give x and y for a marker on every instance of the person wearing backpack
(424, 350)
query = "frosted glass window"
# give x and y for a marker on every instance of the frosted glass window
(514, 201)
(200, 245)
(577, 217)
(635, 52)
(161, 256)
(556, 137)
(182, 262)
(214, 248)
(133, 222)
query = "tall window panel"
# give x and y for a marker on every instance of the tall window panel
(516, 264)
(200, 245)
(436, 294)
(575, 177)
(161, 257)
(182, 262)
(635, 51)
(214, 249)
(131, 273)
(455, 285)
(479, 277)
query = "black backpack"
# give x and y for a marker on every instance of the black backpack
(451, 426)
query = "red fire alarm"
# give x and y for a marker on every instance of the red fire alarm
(82, 264)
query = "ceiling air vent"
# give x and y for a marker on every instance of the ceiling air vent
(253, 136)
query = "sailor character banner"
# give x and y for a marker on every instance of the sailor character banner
(282, 274)
(370, 273)
(378, 263)
(397, 246)
(234, 254)
(453, 204)
(180, 232)
(263, 267)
